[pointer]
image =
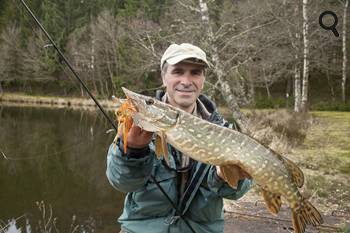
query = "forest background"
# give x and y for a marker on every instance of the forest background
(264, 53)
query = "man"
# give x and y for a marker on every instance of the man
(196, 189)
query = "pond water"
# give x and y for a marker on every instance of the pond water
(55, 160)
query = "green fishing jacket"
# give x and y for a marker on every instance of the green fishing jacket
(146, 209)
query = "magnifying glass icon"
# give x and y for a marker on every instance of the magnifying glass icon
(331, 27)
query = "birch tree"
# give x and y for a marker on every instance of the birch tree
(345, 60)
(297, 70)
(305, 82)
(219, 70)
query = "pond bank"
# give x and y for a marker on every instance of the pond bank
(20, 99)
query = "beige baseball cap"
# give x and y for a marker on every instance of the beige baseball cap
(185, 51)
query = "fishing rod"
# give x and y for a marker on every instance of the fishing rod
(69, 65)
(98, 104)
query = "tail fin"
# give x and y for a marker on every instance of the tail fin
(306, 215)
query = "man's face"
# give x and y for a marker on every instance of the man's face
(183, 82)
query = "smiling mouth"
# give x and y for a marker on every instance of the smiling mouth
(185, 91)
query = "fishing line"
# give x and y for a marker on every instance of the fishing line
(96, 102)
(69, 65)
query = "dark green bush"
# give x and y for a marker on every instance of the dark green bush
(328, 106)
(262, 103)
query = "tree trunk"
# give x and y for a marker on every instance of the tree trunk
(266, 85)
(297, 70)
(288, 89)
(227, 92)
(343, 83)
(330, 86)
(297, 87)
(305, 83)
(81, 90)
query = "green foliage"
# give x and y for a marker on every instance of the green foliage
(329, 106)
(345, 228)
(263, 103)
(131, 8)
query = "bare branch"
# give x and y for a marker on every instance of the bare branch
(3, 154)
(245, 32)
(189, 7)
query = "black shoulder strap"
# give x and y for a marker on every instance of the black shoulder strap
(192, 188)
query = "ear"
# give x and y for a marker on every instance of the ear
(163, 79)
(202, 86)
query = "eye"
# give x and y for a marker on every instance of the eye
(149, 101)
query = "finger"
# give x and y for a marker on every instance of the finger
(135, 129)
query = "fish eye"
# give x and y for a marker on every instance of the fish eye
(149, 101)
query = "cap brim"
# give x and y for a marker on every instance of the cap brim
(185, 57)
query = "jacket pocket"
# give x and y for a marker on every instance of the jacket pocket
(206, 206)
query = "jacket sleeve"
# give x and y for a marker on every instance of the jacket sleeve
(222, 189)
(129, 172)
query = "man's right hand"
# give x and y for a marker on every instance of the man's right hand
(138, 138)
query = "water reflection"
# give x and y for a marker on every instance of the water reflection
(58, 156)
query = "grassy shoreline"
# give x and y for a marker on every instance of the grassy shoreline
(21, 99)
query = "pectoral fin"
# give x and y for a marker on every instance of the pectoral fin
(161, 147)
(272, 200)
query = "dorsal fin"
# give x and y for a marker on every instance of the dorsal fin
(272, 200)
(296, 173)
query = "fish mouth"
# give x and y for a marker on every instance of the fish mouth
(133, 97)
(129, 94)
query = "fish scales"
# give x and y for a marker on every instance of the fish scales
(220, 146)
(249, 156)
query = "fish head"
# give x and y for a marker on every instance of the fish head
(151, 114)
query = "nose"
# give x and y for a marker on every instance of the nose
(186, 79)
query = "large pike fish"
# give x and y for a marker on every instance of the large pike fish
(212, 144)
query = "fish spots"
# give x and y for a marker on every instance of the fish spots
(184, 142)
(216, 149)
(200, 151)
(243, 143)
(191, 130)
(227, 150)
(177, 137)
(193, 147)
(199, 135)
